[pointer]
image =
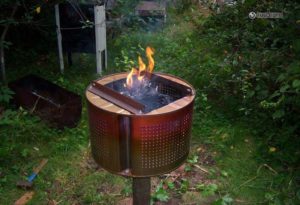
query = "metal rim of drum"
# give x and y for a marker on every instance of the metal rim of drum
(146, 145)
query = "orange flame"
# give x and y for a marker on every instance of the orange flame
(149, 54)
(129, 80)
(142, 68)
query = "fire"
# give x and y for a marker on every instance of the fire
(129, 80)
(149, 54)
(142, 68)
(141, 71)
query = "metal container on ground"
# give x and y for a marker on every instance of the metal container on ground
(52, 103)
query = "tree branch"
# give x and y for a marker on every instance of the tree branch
(7, 26)
(3, 35)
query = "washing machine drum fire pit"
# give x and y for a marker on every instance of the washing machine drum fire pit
(140, 132)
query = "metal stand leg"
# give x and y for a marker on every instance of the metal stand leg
(59, 39)
(141, 191)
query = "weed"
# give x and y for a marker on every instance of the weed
(160, 193)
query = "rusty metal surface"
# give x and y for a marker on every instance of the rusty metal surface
(160, 143)
(105, 138)
(160, 81)
(49, 101)
(140, 145)
(112, 96)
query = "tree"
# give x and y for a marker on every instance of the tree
(6, 24)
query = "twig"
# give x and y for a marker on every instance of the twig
(201, 168)
(35, 104)
(115, 194)
(270, 168)
(246, 182)
(240, 201)
(257, 173)
(173, 177)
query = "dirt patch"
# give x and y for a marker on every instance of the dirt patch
(107, 188)
(126, 201)
(180, 185)
(195, 198)
(185, 179)
(172, 201)
(88, 163)
(205, 157)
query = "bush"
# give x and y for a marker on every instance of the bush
(259, 74)
(248, 67)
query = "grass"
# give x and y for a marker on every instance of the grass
(70, 177)
(67, 178)
(241, 174)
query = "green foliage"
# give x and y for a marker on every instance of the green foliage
(5, 95)
(207, 189)
(127, 191)
(260, 64)
(184, 185)
(190, 161)
(247, 69)
(193, 159)
(160, 193)
(242, 69)
(170, 185)
(257, 73)
(29, 29)
(12, 119)
(225, 200)
(128, 58)
(182, 5)
(25, 139)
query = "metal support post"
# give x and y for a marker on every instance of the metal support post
(100, 32)
(141, 188)
(59, 39)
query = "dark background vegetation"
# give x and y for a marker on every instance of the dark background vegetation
(246, 72)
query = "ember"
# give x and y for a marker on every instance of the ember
(148, 93)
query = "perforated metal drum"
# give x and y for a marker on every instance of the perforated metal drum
(135, 143)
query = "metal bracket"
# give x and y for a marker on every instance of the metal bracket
(116, 98)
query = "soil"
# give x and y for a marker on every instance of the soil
(198, 174)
